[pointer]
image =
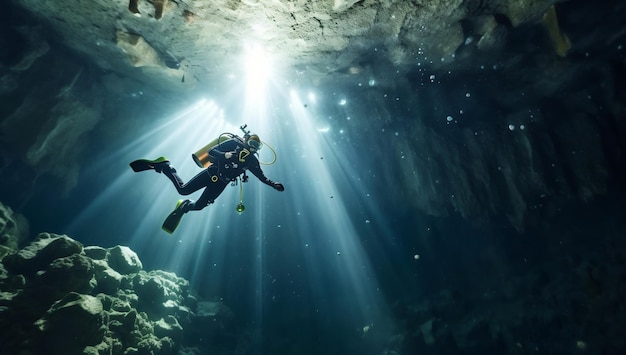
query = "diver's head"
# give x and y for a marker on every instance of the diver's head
(254, 142)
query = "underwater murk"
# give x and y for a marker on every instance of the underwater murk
(474, 208)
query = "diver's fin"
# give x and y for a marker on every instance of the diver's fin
(171, 222)
(145, 164)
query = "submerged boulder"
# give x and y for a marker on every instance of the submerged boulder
(40, 253)
(58, 295)
(72, 323)
(123, 260)
(64, 275)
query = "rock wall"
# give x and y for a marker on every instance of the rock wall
(53, 101)
(517, 137)
(563, 297)
(44, 123)
(14, 230)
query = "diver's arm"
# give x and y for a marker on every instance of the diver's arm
(219, 154)
(255, 168)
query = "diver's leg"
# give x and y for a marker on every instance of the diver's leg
(209, 195)
(207, 179)
(183, 206)
(199, 181)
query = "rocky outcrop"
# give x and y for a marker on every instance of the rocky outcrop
(318, 37)
(14, 230)
(44, 125)
(510, 143)
(57, 294)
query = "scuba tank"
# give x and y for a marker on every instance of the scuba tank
(202, 157)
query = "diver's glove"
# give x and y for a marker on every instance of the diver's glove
(278, 186)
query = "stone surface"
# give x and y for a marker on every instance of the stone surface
(123, 260)
(73, 322)
(96, 252)
(14, 230)
(41, 253)
(56, 296)
(206, 38)
(73, 273)
(107, 279)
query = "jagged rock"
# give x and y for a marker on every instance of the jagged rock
(139, 52)
(55, 295)
(72, 323)
(123, 323)
(153, 345)
(150, 291)
(40, 253)
(168, 327)
(160, 290)
(121, 306)
(176, 287)
(13, 230)
(107, 279)
(123, 260)
(95, 252)
(69, 274)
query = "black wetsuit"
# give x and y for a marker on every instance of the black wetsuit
(219, 174)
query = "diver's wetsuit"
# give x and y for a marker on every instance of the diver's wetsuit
(219, 174)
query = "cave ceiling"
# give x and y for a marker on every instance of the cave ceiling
(190, 44)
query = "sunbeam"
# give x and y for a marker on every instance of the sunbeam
(294, 249)
(329, 226)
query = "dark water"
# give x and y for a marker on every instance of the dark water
(301, 281)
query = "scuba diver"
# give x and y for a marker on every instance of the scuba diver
(226, 159)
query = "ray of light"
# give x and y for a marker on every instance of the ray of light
(302, 247)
